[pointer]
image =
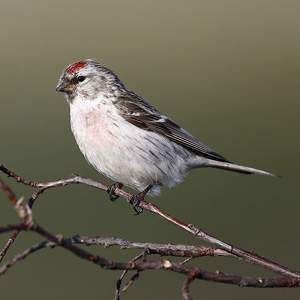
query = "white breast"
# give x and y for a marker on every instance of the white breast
(124, 152)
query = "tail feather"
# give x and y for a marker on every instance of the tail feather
(237, 168)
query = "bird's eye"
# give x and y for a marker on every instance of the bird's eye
(81, 78)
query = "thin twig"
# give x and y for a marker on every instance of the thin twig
(134, 277)
(152, 248)
(160, 249)
(186, 289)
(11, 196)
(24, 254)
(119, 281)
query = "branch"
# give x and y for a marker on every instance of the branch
(132, 279)
(151, 248)
(164, 264)
(148, 248)
(186, 285)
(248, 256)
(11, 196)
(292, 277)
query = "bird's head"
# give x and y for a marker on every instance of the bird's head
(87, 79)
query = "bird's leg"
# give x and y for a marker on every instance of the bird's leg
(111, 190)
(137, 198)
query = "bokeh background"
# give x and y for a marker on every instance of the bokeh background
(227, 71)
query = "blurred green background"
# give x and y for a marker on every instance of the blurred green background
(227, 71)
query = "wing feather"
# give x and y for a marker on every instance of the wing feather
(140, 113)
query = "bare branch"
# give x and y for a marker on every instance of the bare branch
(158, 264)
(248, 256)
(161, 249)
(119, 282)
(291, 279)
(24, 254)
(186, 285)
(11, 196)
(149, 248)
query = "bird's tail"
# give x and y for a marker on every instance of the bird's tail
(237, 168)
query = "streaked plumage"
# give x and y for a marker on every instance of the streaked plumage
(126, 138)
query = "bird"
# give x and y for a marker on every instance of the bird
(126, 139)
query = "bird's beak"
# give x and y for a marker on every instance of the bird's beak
(65, 87)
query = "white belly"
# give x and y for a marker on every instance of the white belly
(126, 153)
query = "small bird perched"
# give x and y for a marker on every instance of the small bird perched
(125, 138)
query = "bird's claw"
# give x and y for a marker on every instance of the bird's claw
(111, 190)
(136, 199)
(135, 202)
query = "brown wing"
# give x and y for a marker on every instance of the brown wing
(142, 114)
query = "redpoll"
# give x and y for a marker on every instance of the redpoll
(125, 138)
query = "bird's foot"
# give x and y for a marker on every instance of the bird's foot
(111, 190)
(137, 198)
